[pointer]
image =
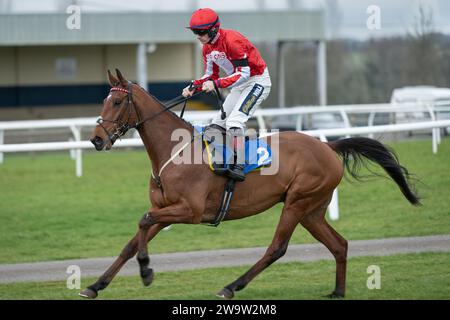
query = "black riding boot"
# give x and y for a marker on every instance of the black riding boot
(235, 170)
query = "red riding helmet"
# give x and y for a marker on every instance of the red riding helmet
(204, 19)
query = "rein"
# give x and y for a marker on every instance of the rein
(123, 127)
(223, 115)
(173, 103)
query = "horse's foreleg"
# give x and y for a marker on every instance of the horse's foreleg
(276, 250)
(145, 235)
(127, 253)
(157, 220)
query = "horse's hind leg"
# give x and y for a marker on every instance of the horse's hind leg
(276, 250)
(319, 228)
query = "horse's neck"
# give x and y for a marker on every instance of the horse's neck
(156, 133)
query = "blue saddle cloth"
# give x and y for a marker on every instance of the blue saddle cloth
(257, 152)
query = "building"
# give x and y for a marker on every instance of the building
(60, 55)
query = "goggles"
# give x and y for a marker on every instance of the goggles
(200, 32)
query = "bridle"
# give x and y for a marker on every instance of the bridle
(123, 127)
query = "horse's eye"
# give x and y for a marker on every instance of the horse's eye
(117, 103)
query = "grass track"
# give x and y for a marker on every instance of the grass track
(408, 276)
(47, 213)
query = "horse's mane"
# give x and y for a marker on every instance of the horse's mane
(169, 111)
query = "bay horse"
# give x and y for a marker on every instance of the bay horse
(308, 173)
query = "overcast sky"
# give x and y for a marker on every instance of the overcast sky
(348, 18)
(345, 18)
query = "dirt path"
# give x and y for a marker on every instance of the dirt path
(56, 270)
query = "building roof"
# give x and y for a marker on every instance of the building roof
(154, 27)
(59, 6)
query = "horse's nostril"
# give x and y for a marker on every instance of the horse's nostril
(97, 142)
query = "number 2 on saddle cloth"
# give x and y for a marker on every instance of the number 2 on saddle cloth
(257, 153)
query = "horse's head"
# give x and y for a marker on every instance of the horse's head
(118, 113)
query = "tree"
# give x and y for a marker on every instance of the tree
(426, 56)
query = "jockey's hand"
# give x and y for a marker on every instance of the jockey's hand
(208, 86)
(188, 92)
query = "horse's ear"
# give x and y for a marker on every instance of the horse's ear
(123, 81)
(112, 80)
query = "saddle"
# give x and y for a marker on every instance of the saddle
(257, 155)
(257, 152)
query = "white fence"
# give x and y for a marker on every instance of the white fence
(77, 145)
(75, 125)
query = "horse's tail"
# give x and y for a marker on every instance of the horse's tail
(359, 150)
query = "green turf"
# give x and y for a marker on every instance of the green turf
(47, 213)
(409, 276)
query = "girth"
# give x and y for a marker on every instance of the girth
(224, 203)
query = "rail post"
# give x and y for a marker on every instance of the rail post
(333, 207)
(78, 152)
(2, 138)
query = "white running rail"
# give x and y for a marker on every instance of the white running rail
(322, 134)
(76, 146)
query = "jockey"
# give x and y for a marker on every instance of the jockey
(246, 75)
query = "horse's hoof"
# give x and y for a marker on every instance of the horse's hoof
(335, 295)
(225, 294)
(147, 277)
(88, 293)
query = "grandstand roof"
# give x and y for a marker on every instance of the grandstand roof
(53, 6)
(137, 21)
